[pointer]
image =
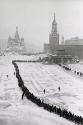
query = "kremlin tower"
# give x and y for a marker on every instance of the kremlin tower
(54, 36)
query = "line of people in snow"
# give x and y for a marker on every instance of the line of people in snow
(76, 72)
(24, 61)
(65, 67)
(61, 112)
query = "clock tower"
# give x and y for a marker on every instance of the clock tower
(54, 36)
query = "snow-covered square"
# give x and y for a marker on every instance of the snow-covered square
(37, 77)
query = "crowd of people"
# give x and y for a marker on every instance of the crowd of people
(61, 112)
(65, 67)
(78, 73)
(68, 69)
(24, 61)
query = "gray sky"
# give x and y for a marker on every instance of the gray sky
(34, 18)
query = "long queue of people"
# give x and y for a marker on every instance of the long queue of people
(78, 73)
(24, 61)
(65, 67)
(69, 69)
(61, 112)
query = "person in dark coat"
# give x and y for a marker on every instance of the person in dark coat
(24, 91)
(44, 91)
(59, 88)
(23, 95)
(7, 76)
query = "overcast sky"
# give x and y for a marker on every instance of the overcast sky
(34, 18)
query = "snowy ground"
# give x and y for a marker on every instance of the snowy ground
(14, 111)
(38, 77)
(78, 67)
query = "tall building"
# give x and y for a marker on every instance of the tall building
(16, 44)
(54, 36)
(73, 46)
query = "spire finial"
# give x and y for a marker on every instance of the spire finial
(54, 21)
(16, 34)
(54, 16)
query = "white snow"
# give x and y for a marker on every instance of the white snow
(38, 77)
(78, 67)
(14, 111)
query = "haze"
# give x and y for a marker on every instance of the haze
(34, 19)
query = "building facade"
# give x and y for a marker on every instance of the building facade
(74, 41)
(73, 46)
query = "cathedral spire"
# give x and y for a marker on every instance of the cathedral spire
(16, 28)
(16, 34)
(54, 21)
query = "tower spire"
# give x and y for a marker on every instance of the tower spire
(16, 28)
(16, 34)
(54, 16)
(54, 25)
(54, 21)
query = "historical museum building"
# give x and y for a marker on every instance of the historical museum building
(16, 44)
(73, 46)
